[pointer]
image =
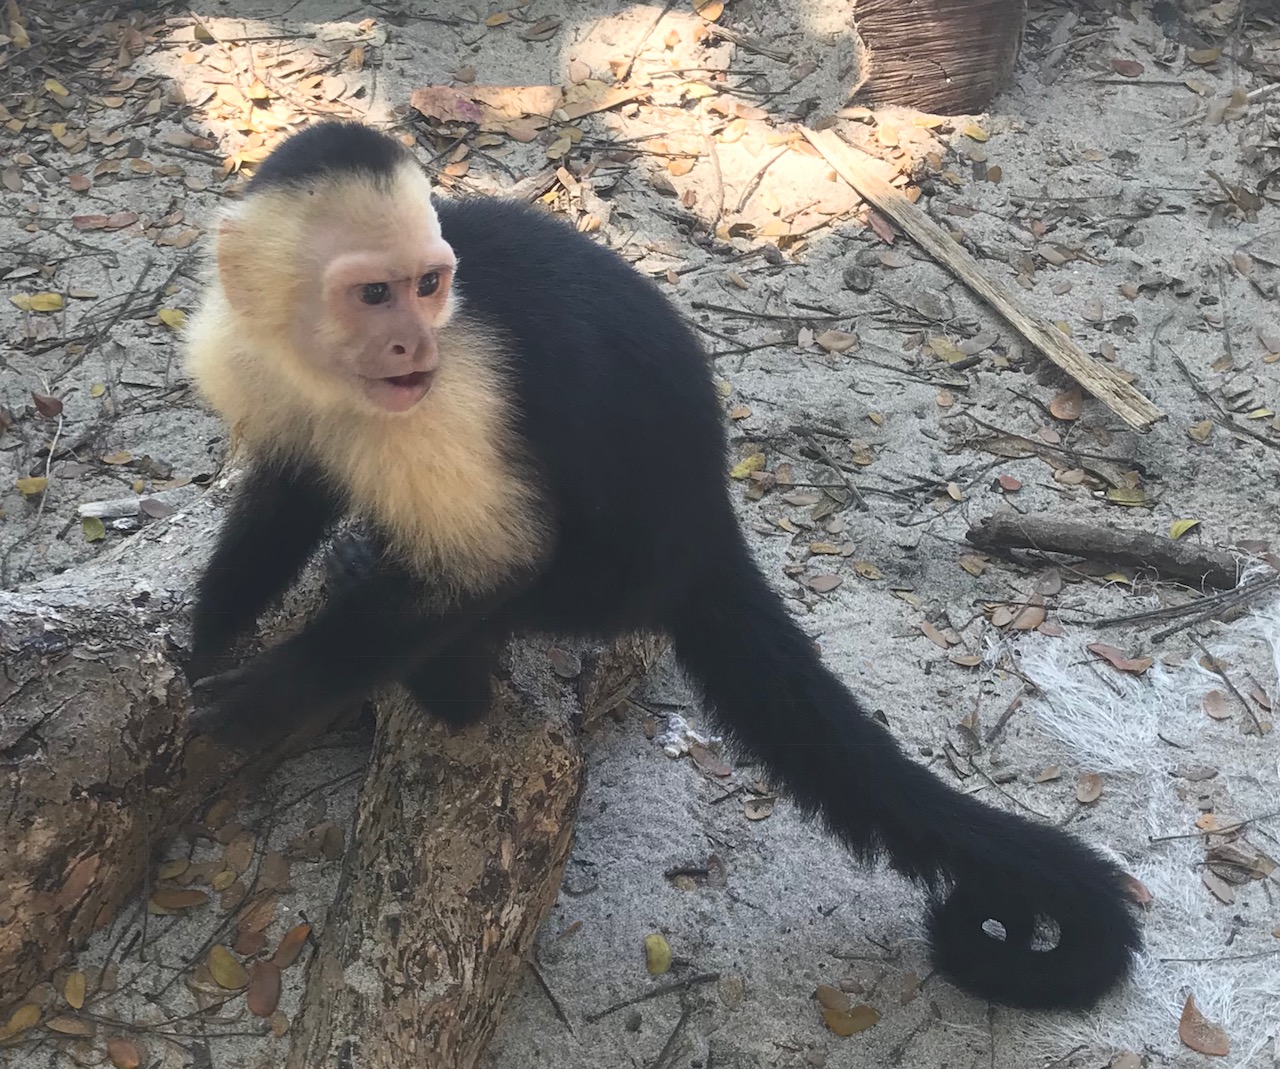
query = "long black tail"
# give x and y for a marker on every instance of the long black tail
(770, 692)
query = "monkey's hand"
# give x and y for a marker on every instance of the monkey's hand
(262, 702)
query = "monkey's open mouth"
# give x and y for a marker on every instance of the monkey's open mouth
(415, 380)
(399, 393)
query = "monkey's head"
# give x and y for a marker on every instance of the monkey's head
(336, 272)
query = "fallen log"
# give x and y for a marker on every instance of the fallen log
(461, 837)
(1194, 564)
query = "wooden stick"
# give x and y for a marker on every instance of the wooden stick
(1101, 380)
(1195, 564)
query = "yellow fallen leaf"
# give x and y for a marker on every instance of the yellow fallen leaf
(657, 954)
(1260, 413)
(497, 19)
(56, 87)
(32, 485)
(975, 132)
(1124, 495)
(709, 9)
(755, 462)
(94, 529)
(74, 991)
(1180, 527)
(227, 972)
(97, 389)
(46, 302)
(174, 318)
(20, 1020)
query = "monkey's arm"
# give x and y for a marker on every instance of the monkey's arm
(374, 632)
(278, 519)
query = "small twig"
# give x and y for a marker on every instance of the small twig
(657, 992)
(551, 996)
(1211, 663)
(626, 71)
(850, 485)
(1225, 958)
(48, 463)
(746, 313)
(753, 183)
(717, 174)
(669, 1046)
(995, 729)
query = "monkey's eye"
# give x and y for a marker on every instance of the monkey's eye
(375, 293)
(428, 284)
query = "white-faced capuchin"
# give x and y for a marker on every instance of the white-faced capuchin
(473, 381)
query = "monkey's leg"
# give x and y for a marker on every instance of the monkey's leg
(276, 522)
(456, 684)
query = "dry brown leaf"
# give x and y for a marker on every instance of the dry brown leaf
(1009, 484)
(1137, 890)
(291, 946)
(1217, 705)
(832, 998)
(1068, 405)
(824, 584)
(263, 995)
(1120, 660)
(70, 1026)
(174, 898)
(850, 1022)
(124, 1053)
(709, 761)
(836, 341)
(1003, 616)
(1029, 618)
(1088, 788)
(1200, 1034)
(934, 635)
(1127, 68)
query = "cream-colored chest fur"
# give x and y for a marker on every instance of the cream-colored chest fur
(439, 481)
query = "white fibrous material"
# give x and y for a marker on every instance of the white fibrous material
(1164, 763)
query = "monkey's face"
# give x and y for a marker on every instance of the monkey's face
(376, 311)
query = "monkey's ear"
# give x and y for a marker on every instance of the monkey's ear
(234, 253)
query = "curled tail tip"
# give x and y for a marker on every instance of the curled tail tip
(1066, 954)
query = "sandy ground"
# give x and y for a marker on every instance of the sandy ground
(1118, 187)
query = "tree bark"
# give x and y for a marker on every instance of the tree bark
(460, 843)
(94, 764)
(942, 56)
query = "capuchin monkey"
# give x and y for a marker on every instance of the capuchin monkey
(531, 436)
